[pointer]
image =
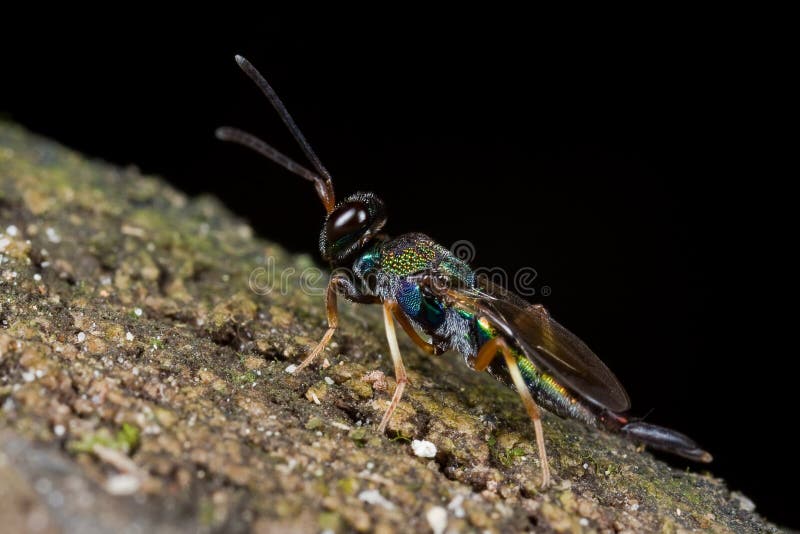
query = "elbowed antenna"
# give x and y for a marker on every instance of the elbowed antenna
(234, 135)
(322, 181)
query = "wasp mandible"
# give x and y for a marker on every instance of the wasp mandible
(424, 288)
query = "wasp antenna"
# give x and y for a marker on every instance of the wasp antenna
(234, 135)
(287, 119)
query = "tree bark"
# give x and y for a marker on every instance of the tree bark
(144, 339)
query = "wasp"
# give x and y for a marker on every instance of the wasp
(442, 304)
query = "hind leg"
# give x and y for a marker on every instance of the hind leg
(392, 312)
(486, 354)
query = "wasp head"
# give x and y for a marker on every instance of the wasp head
(351, 226)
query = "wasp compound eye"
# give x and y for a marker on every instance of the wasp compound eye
(350, 227)
(346, 220)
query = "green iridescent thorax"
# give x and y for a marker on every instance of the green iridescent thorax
(412, 253)
(409, 256)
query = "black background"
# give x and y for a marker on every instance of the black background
(626, 169)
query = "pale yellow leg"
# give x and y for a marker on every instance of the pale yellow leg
(399, 368)
(333, 322)
(486, 354)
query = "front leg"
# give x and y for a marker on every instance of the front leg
(339, 284)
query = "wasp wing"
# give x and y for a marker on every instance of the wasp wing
(551, 347)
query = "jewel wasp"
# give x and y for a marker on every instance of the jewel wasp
(425, 288)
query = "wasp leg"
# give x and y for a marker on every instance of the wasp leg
(409, 329)
(399, 369)
(339, 284)
(486, 354)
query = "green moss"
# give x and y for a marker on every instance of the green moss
(402, 437)
(508, 456)
(330, 521)
(348, 485)
(239, 378)
(126, 439)
(359, 436)
(129, 436)
(314, 423)
(359, 387)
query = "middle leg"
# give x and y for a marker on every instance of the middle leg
(401, 318)
(399, 368)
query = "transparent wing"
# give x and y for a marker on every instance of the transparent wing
(550, 346)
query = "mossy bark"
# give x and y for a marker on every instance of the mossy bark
(142, 380)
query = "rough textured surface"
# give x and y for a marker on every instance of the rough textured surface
(142, 381)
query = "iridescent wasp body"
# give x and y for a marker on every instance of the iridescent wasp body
(423, 287)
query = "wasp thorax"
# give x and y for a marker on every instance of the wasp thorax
(351, 225)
